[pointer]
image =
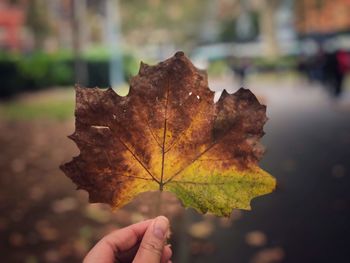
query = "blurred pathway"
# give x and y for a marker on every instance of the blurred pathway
(308, 151)
(44, 219)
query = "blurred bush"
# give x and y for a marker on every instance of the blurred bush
(276, 64)
(217, 68)
(41, 70)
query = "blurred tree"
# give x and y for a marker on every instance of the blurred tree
(245, 26)
(268, 26)
(38, 22)
(79, 40)
(154, 21)
(116, 75)
(230, 30)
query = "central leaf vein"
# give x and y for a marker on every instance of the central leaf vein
(164, 138)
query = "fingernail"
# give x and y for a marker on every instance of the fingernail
(161, 226)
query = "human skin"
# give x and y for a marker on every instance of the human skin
(138, 243)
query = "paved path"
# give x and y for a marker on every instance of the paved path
(308, 218)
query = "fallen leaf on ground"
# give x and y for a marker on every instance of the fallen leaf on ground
(97, 213)
(255, 238)
(269, 255)
(201, 229)
(64, 205)
(46, 231)
(169, 135)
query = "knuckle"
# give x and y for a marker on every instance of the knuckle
(152, 246)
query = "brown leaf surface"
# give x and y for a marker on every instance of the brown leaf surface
(168, 134)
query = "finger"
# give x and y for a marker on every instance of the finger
(129, 255)
(167, 253)
(152, 244)
(125, 238)
(120, 240)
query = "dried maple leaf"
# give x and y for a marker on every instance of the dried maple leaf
(168, 134)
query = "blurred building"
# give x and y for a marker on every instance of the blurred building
(326, 16)
(12, 19)
(51, 25)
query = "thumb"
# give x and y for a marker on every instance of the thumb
(152, 244)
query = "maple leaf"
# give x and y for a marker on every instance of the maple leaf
(169, 135)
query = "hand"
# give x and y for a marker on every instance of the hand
(143, 242)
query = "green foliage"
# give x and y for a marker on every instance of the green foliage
(41, 70)
(131, 65)
(217, 68)
(228, 32)
(61, 74)
(44, 70)
(286, 62)
(96, 53)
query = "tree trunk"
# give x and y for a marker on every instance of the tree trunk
(79, 39)
(268, 27)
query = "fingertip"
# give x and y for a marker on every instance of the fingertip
(168, 251)
(167, 254)
(152, 246)
(162, 218)
(161, 227)
(166, 222)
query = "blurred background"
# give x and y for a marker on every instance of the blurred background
(294, 55)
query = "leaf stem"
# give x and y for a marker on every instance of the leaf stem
(158, 202)
(164, 139)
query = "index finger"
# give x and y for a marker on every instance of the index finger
(120, 240)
